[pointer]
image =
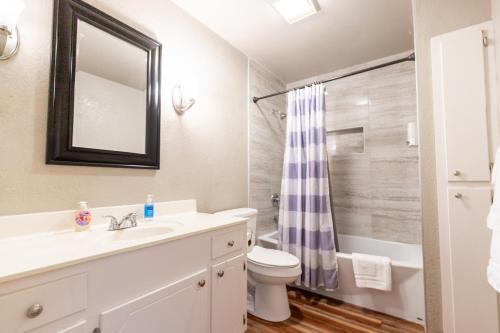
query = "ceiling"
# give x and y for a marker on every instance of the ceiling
(102, 54)
(342, 34)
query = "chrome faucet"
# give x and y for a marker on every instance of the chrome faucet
(128, 221)
(275, 200)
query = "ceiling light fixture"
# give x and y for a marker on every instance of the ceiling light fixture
(295, 10)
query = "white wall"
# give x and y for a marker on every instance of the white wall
(108, 115)
(203, 153)
(434, 17)
(495, 10)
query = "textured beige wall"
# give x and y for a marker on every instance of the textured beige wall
(434, 17)
(495, 13)
(203, 153)
(266, 145)
(376, 187)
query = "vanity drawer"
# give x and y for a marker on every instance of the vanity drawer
(228, 242)
(58, 299)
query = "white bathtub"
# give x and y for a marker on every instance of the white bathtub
(406, 300)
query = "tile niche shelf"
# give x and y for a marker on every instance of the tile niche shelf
(345, 141)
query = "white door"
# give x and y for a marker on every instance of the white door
(473, 300)
(460, 98)
(180, 307)
(229, 283)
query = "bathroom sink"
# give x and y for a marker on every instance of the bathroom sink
(138, 233)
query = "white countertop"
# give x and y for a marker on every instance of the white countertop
(31, 254)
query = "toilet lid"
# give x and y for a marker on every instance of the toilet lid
(269, 257)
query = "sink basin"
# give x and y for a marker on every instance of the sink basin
(139, 233)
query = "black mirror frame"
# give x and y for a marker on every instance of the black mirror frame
(61, 95)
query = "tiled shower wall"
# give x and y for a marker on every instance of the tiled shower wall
(266, 145)
(374, 172)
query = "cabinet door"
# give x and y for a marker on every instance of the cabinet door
(180, 307)
(459, 75)
(474, 301)
(229, 283)
(78, 328)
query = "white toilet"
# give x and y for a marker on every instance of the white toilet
(268, 273)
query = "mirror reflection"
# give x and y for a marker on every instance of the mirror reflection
(110, 92)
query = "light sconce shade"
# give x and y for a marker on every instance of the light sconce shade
(10, 10)
(179, 102)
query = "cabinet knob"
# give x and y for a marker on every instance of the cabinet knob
(458, 195)
(230, 243)
(220, 273)
(202, 283)
(456, 173)
(34, 311)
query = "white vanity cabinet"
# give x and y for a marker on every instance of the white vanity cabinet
(229, 310)
(460, 75)
(175, 286)
(29, 308)
(467, 129)
(229, 276)
(77, 328)
(180, 306)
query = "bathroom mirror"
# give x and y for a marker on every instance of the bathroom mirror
(105, 103)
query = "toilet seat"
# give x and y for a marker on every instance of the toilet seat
(273, 263)
(272, 258)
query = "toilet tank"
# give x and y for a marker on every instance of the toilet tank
(251, 215)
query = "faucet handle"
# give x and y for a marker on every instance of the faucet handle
(111, 217)
(132, 217)
(113, 221)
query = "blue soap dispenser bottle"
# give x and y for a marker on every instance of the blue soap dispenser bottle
(149, 208)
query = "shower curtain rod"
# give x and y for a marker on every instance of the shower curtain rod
(411, 57)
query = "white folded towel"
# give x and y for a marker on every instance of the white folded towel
(493, 271)
(372, 271)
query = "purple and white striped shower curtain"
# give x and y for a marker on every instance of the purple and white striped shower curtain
(306, 225)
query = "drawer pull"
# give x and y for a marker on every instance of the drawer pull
(230, 243)
(458, 195)
(220, 273)
(456, 173)
(34, 311)
(202, 283)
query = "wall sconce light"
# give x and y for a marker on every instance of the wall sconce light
(9, 34)
(178, 101)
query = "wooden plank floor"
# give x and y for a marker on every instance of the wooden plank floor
(315, 314)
